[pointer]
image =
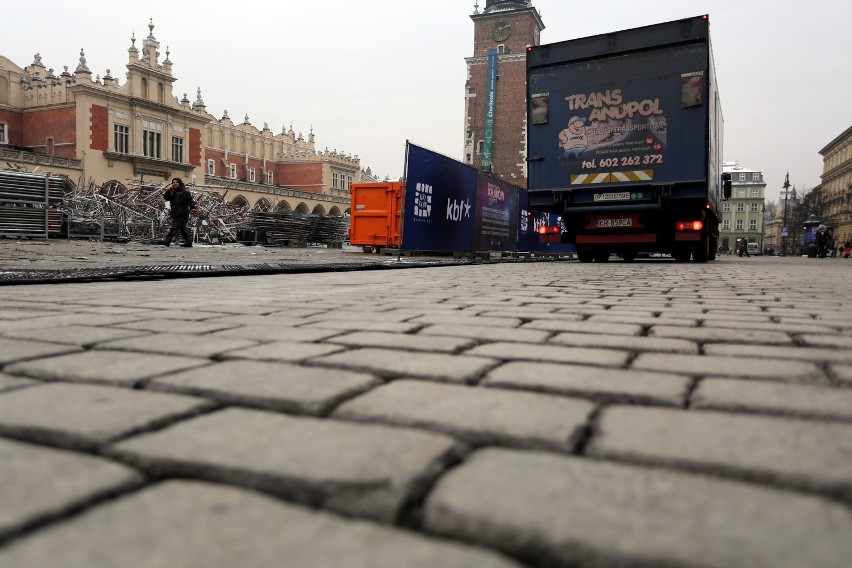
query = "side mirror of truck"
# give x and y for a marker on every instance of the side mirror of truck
(726, 185)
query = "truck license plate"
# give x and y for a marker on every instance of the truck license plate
(609, 223)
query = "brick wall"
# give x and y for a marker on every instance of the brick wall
(14, 126)
(99, 123)
(195, 156)
(302, 177)
(59, 123)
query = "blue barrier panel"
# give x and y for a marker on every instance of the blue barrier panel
(529, 240)
(496, 227)
(440, 202)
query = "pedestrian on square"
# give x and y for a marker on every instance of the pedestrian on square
(847, 248)
(744, 247)
(182, 204)
(821, 241)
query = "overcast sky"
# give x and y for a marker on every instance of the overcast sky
(369, 75)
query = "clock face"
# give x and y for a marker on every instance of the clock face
(501, 30)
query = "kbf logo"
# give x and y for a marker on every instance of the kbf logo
(525, 220)
(423, 201)
(458, 210)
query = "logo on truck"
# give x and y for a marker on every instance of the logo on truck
(611, 131)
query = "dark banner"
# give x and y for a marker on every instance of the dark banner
(496, 226)
(440, 203)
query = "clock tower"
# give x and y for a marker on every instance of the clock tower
(495, 99)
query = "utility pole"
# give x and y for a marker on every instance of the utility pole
(784, 229)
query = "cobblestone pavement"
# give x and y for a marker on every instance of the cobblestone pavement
(527, 413)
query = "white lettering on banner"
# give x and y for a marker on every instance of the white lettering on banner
(458, 210)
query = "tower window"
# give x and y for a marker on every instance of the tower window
(480, 146)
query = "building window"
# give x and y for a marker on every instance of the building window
(121, 138)
(211, 167)
(739, 224)
(270, 179)
(232, 171)
(251, 174)
(752, 225)
(740, 207)
(334, 180)
(726, 224)
(742, 177)
(152, 139)
(754, 207)
(3, 133)
(480, 146)
(348, 182)
(755, 192)
(740, 193)
(177, 149)
(726, 207)
(755, 176)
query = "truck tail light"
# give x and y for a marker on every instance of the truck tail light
(549, 230)
(689, 225)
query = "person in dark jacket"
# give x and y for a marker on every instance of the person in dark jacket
(182, 205)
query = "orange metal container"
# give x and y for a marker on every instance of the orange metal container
(375, 215)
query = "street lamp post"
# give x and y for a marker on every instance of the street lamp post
(784, 225)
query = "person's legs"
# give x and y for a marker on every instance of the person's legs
(171, 235)
(187, 238)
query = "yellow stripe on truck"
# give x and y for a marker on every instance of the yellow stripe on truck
(614, 177)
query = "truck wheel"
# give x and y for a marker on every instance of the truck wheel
(714, 246)
(585, 255)
(367, 249)
(681, 255)
(602, 256)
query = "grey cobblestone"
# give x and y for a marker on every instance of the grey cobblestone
(82, 335)
(721, 334)
(8, 382)
(231, 527)
(85, 416)
(179, 344)
(728, 366)
(575, 512)
(595, 382)
(616, 451)
(275, 386)
(477, 415)
(420, 342)
(357, 469)
(551, 353)
(283, 351)
(799, 452)
(731, 394)
(109, 367)
(28, 471)
(437, 366)
(12, 350)
(668, 345)
(485, 333)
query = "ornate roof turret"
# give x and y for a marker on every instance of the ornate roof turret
(133, 53)
(492, 6)
(199, 103)
(82, 68)
(150, 55)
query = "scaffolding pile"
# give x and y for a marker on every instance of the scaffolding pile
(137, 212)
(50, 206)
(287, 228)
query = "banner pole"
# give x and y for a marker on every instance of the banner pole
(402, 202)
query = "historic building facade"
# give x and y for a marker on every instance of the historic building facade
(742, 214)
(837, 184)
(495, 98)
(104, 131)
